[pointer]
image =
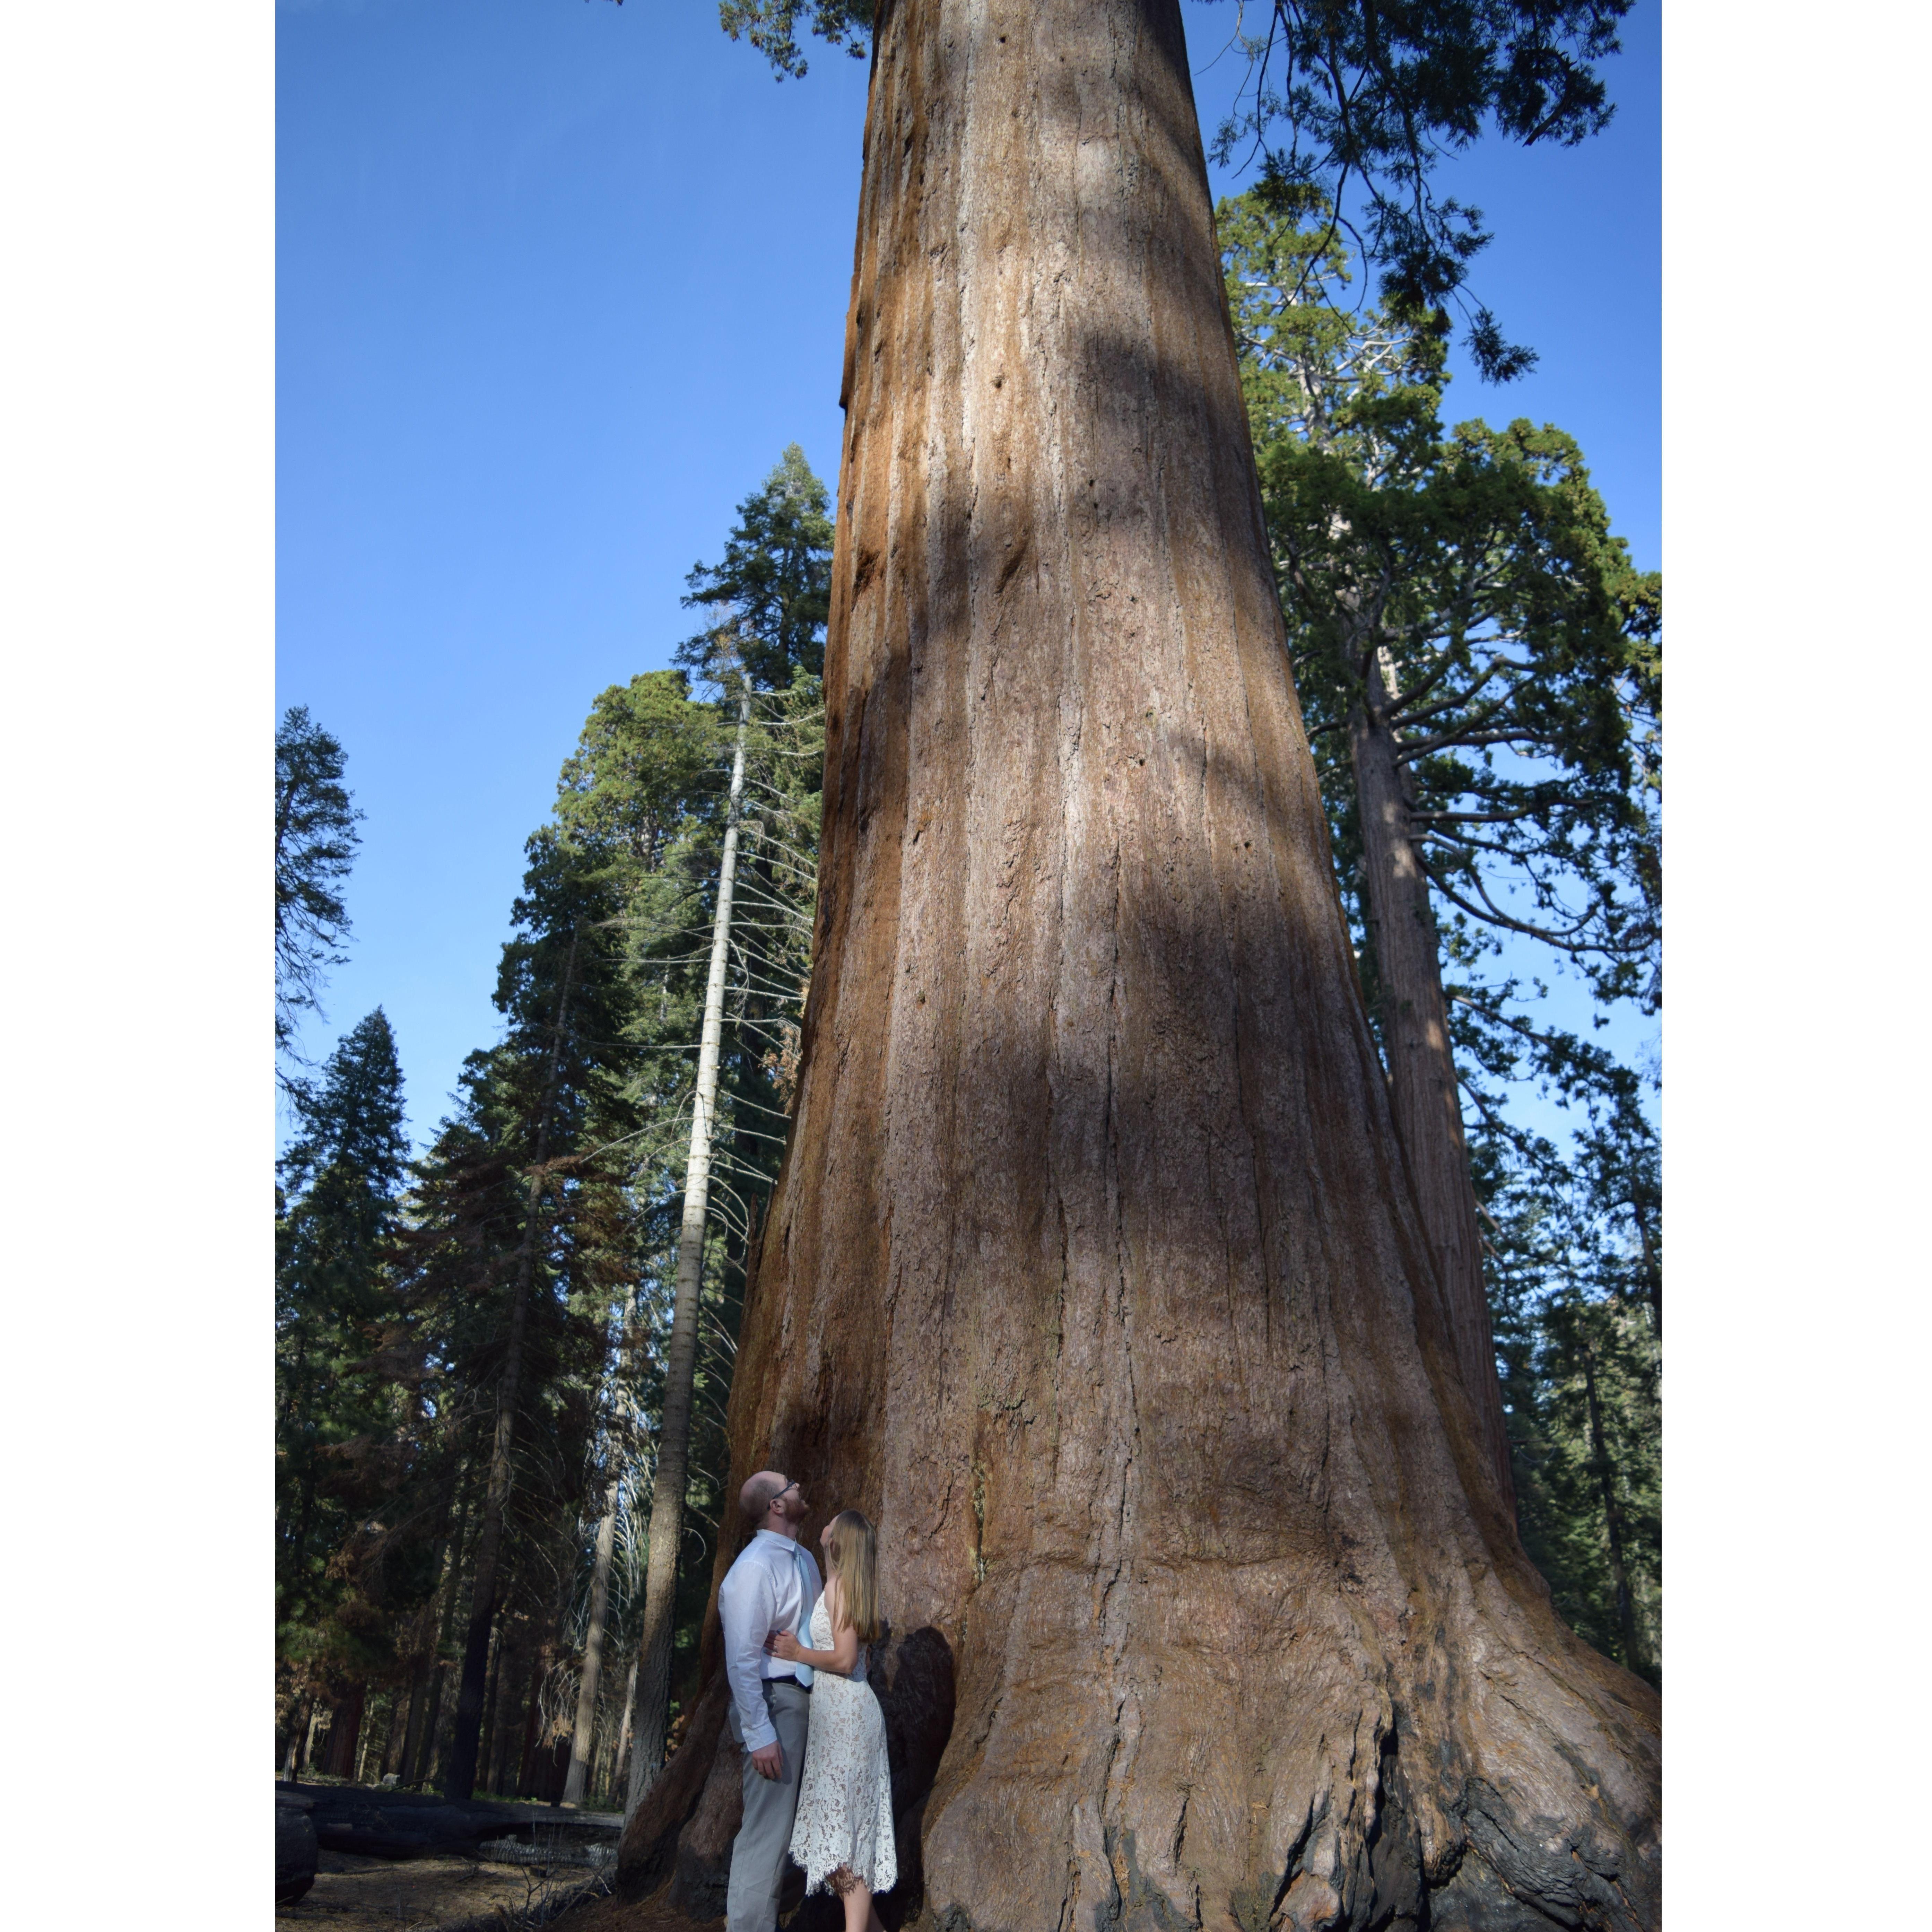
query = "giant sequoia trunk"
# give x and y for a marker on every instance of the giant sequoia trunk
(1094, 1274)
(1424, 1093)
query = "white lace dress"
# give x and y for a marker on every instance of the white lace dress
(845, 1793)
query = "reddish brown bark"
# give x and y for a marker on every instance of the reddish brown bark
(345, 1733)
(536, 1745)
(1425, 1097)
(1094, 1274)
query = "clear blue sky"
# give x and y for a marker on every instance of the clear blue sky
(557, 281)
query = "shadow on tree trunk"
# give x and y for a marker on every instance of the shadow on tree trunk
(1094, 1274)
(685, 1826)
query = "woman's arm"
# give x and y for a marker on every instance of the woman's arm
(839, 1659)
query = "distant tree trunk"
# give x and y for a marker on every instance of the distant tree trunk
(434, 1748)
(421, 1714)
(1093, 1275)
(403, 1723)
(345, 1733)
(667, 1487)
(407, 1738)
(621, 1756)
(315, 1719)
(462, 1780)
(527, 1763)
(487, 1727)
(593, 1651)
(423, 1761)
(1636, 1652)
(298, 1736)
(506, 1707)
(1424, 1091)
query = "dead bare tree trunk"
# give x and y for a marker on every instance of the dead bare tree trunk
(1423, 1092)
(621, 1756)
(462, 1779)
(593, 1652)
(298, 1737)
(1092, 1274)
(307, 1758)
(667, 1531)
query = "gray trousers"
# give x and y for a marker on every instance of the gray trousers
(758, 1852)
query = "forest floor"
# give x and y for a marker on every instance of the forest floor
(435, 1895)
(629, 1915)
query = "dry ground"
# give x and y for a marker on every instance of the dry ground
(617, 1914)
(358, 1895)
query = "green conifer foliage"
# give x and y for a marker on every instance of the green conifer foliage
(315, 845)
(522, 1237)
(554, 1187)
(341, 1182)
(1575, 1260)
(1358, 103)
(648, 783)
(775, 581)
(1463, 584)
(1524, 645)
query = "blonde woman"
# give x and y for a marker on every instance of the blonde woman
(843, 1833)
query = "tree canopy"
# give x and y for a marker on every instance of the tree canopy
(774, 583)
(1519, 646)
(315, 846)
(1453, 596)
(555, 1182)
(1360, 101)
(1370, 98)
(339, 1183)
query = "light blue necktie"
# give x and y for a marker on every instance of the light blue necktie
(807, 1597)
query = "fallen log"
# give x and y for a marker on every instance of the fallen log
(294, 1847)
(389, 1824)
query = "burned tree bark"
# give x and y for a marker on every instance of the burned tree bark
(1094, 1274)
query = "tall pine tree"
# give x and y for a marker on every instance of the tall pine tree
(339, 1183)
(1470, 646)
(315, 846)
(1480, 667)
(523, 1235)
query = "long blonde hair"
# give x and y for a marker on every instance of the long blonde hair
(854, 1550)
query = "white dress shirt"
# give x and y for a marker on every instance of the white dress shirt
(762, 1591)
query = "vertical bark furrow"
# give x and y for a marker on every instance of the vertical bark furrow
(1092, 1272)
(1424, 1091)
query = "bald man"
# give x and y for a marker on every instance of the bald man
(774, 1585)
